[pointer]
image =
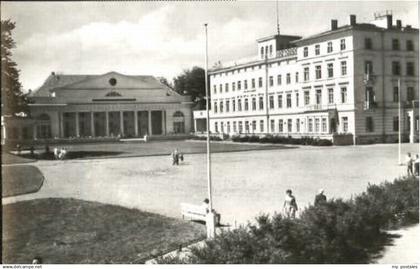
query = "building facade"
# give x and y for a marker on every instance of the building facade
(349, 80)
(108, 105)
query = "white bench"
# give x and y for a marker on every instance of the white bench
(193, 212)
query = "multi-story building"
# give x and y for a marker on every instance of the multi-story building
(349, 80)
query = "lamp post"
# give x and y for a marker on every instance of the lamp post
(210, 219)
(399, 122)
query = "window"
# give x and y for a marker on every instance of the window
(395, 44)
(318, 72)
(233, 86)
(330, 68)
(410, 69)
(288, 78)
(240, 127)
(297, 125)
(343, 68)
(216, 129)
(239, 105)
(317, 49)
(261, 103)
(342, 44)
(306, 74)
(254, 104)
(410, 94)
(343, 95)
(262, 52)
(226, 87)
(306, 97)
(318, 97)
(271, 49)
(234, 126)
(278, 79)
(289, 100)
(345, 122)
(215, 107)
(297, 99)
(368, 43)
(221, 107)
(297, 77)
(368, 67)
(271, 101)
(253, 83)
(305, 52)
(227, 106)
(330, 47)
(369, 124)
(395, 94)
(370, 97)
(246, 104)
(246, 127)
(395, 124)
(280, 100)
(228, 127)
(214, 89)
(245, 84)
(254, 126)
(324, 125)
(271, 81)
(272, 126)
(396, 69)
(239, 85)
(220, 88)
(331, 96)
(280, 126)
(410, 45)
(317, 125)
(261, 126)
(260, 82)
(289, 125)
(233, 105)
(310, 125)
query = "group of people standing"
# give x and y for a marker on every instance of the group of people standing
(60, 154)
(290, 206)
(412, 165)
(176, 157)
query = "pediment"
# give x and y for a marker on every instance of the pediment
(114, 80)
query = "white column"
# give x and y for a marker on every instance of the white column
(136, 123)
(106, 123)
(149, 115)
(34, 132)
(122, 123)
(163, 123)
(195, 125)
(412, 125)
(92, 124)
(77, 124)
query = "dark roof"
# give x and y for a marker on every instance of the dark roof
(274, 36)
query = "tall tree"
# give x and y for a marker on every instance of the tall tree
(13, 100)
(192, 82)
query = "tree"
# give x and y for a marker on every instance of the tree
(13, 100)
(192, 82)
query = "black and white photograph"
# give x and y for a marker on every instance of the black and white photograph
(210, 132)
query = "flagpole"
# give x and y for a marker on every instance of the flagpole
(399, 121)
(210, 221)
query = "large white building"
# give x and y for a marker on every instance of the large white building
(341, 82)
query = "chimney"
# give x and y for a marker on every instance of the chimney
(334, 24)
(352, 20)
(388, 21)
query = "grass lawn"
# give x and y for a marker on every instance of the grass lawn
(76, 231)
(7, 158)
(20, 179)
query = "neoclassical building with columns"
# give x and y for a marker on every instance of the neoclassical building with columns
(108, 105)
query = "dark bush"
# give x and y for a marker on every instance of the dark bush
(337, 231)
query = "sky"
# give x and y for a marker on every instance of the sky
(163, 38)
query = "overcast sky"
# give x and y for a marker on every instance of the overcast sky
(163, 38)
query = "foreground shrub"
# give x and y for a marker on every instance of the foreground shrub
(337, 231)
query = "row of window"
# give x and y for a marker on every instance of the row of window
(315, 125)
(268, 51)
(396, 68)
(329, 48)
(236, 104)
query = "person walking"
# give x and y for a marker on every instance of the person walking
(320, 198)
(175, 157)
(409, 163)
(416, 165)
(290, 206)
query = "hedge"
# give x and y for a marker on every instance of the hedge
(283, 140)
(337, 231)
